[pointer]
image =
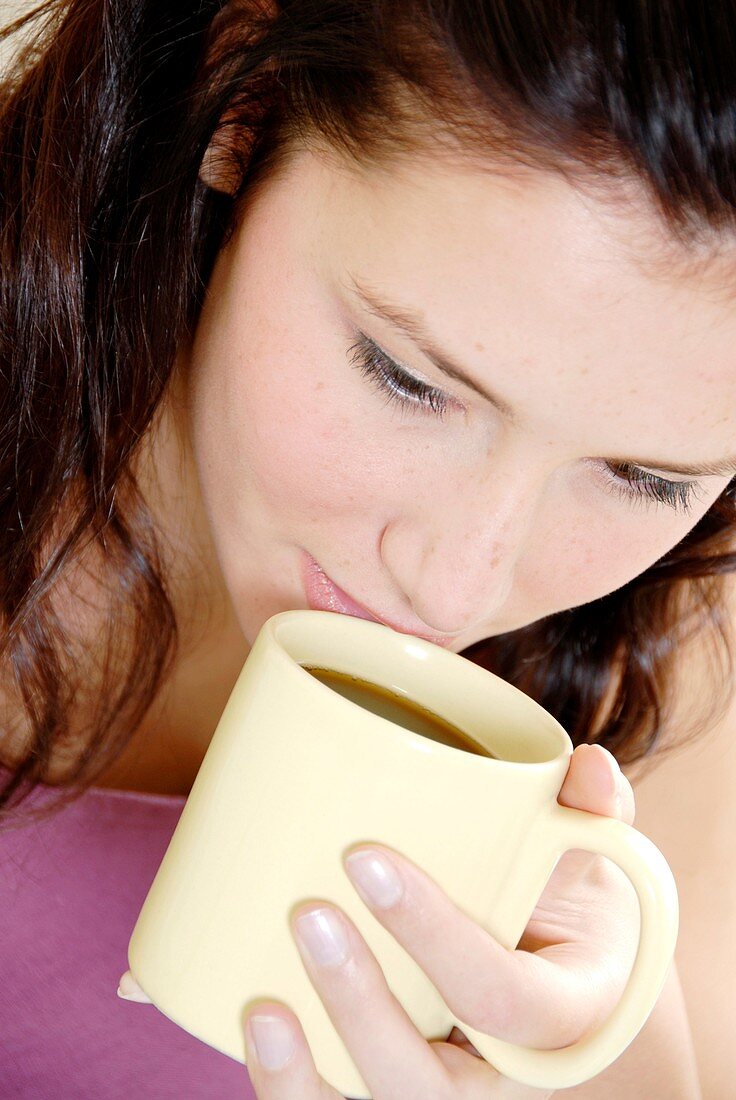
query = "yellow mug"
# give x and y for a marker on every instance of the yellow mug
(296, 774)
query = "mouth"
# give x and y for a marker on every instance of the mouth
(324, 595)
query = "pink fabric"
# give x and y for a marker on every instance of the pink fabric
(70, 891)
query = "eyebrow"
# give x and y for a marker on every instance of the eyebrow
(409, 321)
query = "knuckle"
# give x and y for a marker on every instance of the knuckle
(367, 984)
(606, 881)
(600, 873)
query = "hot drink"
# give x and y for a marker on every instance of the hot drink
(398, 709)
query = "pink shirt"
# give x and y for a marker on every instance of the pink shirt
(70, 892)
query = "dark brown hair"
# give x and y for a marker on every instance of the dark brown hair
(107, 239)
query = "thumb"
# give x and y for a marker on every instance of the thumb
(594, 782)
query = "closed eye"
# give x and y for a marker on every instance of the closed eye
(396, 384)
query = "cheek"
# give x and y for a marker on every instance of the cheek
(296, 444)
(277, 439)
(598, 554)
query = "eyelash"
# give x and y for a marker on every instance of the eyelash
(401, 388)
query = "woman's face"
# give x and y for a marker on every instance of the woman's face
(604, 384)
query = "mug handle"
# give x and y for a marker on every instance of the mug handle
(645, 866)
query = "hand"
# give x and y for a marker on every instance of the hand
(567, 973)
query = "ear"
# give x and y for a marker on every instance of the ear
(221, 168)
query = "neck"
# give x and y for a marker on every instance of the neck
(165, 754)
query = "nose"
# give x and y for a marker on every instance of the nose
(454, 555)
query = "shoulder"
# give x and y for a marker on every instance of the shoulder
(686, 804)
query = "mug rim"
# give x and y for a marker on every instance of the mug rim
(344, 625)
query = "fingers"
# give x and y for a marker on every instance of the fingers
(594, 782)
(393, 1058)
(517, 996)
(396, 1062)
(280, 1064)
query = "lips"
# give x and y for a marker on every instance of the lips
(324, 595)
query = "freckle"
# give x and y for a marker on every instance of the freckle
(479, 346)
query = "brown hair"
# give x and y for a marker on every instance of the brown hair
(107, 239)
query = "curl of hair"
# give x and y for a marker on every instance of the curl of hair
(107, 240)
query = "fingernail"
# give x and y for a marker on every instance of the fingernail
(129, 990)
(376, 880)
(273, 1041)
(322, 935)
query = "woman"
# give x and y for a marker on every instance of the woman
(419, 311)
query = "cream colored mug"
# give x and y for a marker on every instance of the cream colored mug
(296, 773)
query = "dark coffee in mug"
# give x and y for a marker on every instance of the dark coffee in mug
(398, 709)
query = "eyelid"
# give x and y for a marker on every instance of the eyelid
(644, 471)
(412, 376)
(415, 375)
(664, 476)
(680, 495)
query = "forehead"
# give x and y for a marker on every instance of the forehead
(575, 306)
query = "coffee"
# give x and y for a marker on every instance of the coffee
(398, 709)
